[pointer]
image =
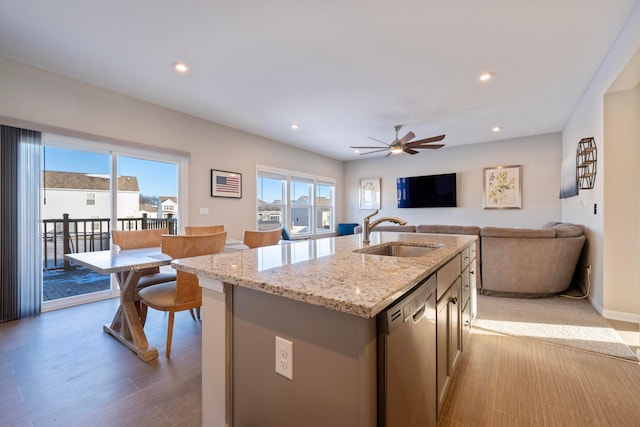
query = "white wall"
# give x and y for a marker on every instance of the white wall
(41, 97)
(540, 157)
(622, 201)
(588, 120)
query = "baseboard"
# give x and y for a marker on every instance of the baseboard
(622, 316)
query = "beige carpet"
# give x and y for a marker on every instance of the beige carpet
(556, 320)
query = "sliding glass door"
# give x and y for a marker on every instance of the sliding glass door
(81, 205)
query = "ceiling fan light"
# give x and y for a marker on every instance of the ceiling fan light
(486, 76)
(396, 150)
(181, 67)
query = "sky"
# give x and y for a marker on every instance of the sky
(154, 178)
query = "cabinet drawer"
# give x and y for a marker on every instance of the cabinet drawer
(465, 256)
(446, 275)
(466, 285)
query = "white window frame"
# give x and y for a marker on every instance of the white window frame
(115, 150)
(287, 204)
(328, 182)
(269, 172)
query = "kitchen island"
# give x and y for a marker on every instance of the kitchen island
(321, 295)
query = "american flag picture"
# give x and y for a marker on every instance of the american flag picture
(226, 184)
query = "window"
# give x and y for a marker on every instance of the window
(324, 205)
(272, 186)
(302, 203)
(91, 199)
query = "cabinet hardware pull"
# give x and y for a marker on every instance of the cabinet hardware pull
(453, 300)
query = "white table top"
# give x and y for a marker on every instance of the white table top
(106, 262)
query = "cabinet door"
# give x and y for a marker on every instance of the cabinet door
(466, 286)
(455, 325)
(473, 288)
(466, 326)
(442, 336)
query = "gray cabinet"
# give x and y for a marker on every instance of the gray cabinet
(448, 338)
(454, 313)
(469, 293)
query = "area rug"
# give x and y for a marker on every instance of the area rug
(556, 320)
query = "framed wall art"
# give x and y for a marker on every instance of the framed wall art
(370, 193)
(503, 187)
(226, 184)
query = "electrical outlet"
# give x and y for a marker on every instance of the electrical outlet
(284, 358)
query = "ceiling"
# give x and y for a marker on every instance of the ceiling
(343, 70)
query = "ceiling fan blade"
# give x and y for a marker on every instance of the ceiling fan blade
(433, 147)
(358, 147)
(374, 151)
(409, 150)
(409, 136)
(426, 140)
(377, 140)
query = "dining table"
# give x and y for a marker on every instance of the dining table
(128, 267)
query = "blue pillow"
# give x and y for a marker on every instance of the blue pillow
(285, 234)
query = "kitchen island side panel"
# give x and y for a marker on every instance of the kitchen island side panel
(334, 364)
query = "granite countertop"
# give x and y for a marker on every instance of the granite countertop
(326, 272)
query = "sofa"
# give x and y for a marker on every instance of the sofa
(522, 262)
(530, 262)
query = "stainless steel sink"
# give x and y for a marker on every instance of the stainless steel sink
(399, 250)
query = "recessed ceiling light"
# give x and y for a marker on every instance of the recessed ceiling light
(181, 67)
(295, 126)
(486, 76)
(496, 129)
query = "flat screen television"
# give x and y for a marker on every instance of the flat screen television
(429, 191)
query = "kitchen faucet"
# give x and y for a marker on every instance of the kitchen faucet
(367, 227)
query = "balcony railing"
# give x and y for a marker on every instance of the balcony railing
(72, 235)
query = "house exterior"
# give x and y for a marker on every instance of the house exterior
(84, 195)
(168, 207)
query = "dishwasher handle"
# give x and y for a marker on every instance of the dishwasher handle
(411, 308)
(418, 314)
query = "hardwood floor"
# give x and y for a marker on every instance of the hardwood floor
(59, 368)
(507, 381)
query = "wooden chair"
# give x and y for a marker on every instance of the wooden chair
(184, 293)
(257, 238)
(209, 229)
(137, 239)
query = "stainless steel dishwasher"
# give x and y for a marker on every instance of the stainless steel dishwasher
(407, 359)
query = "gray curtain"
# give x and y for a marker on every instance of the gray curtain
(20, 245)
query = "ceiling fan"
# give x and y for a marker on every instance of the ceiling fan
(403, 144)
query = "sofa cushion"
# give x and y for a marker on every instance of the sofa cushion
(550, 224)
(528, 233)
(567, 230)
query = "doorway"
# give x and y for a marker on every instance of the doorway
(80, 207)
